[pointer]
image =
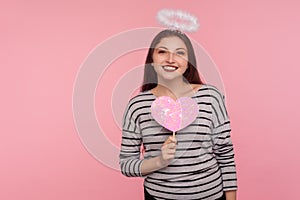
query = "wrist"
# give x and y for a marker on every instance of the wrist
(161, 163)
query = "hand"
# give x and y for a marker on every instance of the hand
(168, 150)
(230, 195)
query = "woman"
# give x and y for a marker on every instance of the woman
(199, 162)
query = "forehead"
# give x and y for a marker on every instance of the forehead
(171, 43)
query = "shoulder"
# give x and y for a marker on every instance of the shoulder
(196, 87)
(141, 96)
(213, 91)
(140, 100)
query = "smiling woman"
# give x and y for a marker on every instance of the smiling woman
(199, 162)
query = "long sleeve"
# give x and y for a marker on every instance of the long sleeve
(223, 147)
(130, 162)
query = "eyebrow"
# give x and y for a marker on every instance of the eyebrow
(161, 47)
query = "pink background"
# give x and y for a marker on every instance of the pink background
(255, 45)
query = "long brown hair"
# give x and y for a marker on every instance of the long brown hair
(191, 74)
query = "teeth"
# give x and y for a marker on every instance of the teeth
(169, 68)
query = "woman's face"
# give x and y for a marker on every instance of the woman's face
(170, 58)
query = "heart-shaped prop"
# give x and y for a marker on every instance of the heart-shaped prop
(174, 115)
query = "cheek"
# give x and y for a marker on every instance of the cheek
(182, 60)
(156, 58)
(156, 67)
(184, 63)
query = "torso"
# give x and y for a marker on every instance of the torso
(195, 162)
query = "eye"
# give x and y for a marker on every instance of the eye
(161, 51)
(181, 53)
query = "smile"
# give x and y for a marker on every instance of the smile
(169, 68)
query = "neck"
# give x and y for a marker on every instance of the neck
(173, 87)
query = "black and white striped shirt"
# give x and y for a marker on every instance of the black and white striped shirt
(204, 164)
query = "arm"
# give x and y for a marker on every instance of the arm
(130, 162)
(223, 147)
(129, 158)
(230, 195)
(131, 165)
(167, 155)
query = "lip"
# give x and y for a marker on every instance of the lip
(169, 70)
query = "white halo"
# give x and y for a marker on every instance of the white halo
(170, 18)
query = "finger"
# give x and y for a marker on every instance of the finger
(168, 141)
(172, 145)
(173, 139)
(169, 150)
(172, 151)
(169, 158)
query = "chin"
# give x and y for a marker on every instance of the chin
(170, 77)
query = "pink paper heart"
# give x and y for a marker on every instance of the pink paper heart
(174, 115)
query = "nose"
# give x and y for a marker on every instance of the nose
(170, 58)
